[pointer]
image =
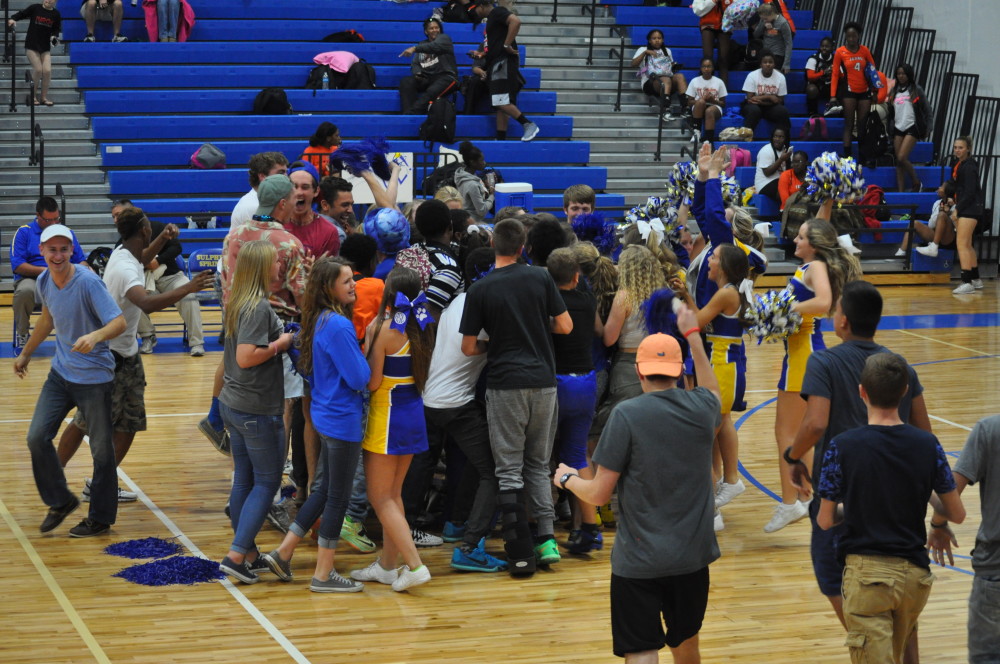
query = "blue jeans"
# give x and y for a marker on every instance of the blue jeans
(258, 445)
(357, 504)
(340, 461)
(57, 398)
(167, 14)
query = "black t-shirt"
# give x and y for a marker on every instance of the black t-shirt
(884, 476)
(835, 374)
(496, 34)
(574, 350)
(42, 26)
(513, 304)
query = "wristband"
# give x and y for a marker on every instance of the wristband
(938, 525)
(693, 329)
(787, 456)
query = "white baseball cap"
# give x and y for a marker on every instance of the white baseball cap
(56, 230)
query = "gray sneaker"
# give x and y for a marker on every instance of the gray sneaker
(147, 345)
(335, 583)
(220, 439)
(278, 517)
(530, 131)
(425, 540)
(281, 568)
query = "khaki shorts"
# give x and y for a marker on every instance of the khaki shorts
(128, 405)
(883, 597)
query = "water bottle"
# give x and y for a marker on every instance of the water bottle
(326, 80)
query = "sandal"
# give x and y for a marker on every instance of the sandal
(49, 102)
(36, 102)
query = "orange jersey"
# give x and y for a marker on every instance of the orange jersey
(852, 66)
(713, 19)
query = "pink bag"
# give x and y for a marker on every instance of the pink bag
(339, 61)
(738, 157)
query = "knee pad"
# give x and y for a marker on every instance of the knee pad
(516, 534)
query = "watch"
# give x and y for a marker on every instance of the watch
(565, 478)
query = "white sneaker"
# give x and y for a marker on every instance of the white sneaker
(123, 495)
(530, 131)
(786, 514)
(977, 284)
(964, 289)
(930, 250)
(847, 243)
(197, 351)
(424, 540)
(375, 572)
(718, 524)
(899, 253)
(727, 492)
(409, 578)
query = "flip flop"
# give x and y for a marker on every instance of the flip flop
(49, 103)
(37, 103)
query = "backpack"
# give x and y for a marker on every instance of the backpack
(350, 36)
(208, 156)
(440, 177)
(361, 76)
(751, 54)
(417, 259)
(795, 214)
(314, 81)
(847, 218)
(440, 123)
(876, 142)
(98, 259)
(814, 129)
(736, 134)
(874, 216)
(271, 101)
(738, 157)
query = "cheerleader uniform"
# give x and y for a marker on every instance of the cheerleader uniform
(396, 412)
(805, 342)
(724, 345)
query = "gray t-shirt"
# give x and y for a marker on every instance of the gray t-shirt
(665, 489)
(980, 462)
(258, 390)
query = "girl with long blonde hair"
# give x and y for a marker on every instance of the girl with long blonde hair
(251, 408)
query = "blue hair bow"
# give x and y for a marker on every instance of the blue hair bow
(405, 308)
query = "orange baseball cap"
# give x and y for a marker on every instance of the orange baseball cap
(659, 355)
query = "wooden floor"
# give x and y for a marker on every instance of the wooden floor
(62, 605)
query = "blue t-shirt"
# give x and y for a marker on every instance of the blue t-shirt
(884, 475)
(80, 307)
(340, 374)
(24, 248)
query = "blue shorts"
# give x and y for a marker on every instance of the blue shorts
(577, 398)
(823, 549)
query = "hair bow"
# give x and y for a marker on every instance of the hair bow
(646, 227)
(406, 308)
(746, 287)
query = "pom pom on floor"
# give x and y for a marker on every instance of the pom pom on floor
(150, 547)
(179, 570)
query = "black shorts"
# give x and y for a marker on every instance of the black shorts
(505, 81)
(640, 608)
(912, 131)
(844, 93)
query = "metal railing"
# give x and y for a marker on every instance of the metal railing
(423, 164)
(61, 194)
(593, 19)
(9, 45)
(39, 157)
(555, 10)
(620, 51)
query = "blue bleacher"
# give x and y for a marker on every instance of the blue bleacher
(922, 152)
(241, 101)
(162, 154)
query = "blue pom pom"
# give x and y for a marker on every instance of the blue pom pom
(658, 311)
(353, 158)
(150, 547)
(376, 147)
(594, 228)
(179, 570)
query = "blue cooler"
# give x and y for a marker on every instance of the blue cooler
(943, 262)
(518, 194)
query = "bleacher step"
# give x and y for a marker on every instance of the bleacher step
(20, 148)
(30, 191)
(48, 122)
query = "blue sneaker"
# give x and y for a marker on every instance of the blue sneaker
(476, 560)
(453, 532)
(583, 541)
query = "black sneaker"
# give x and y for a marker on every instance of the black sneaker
(57, 515)
(239, 571)
(278, 517)
(89, 528)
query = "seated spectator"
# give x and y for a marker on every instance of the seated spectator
(106, 10)
(577, 199)
(707, 98)
(322, 144)
(477, 195)
(435, 73)
(27, 263)
(656, 74)
(939, 231)
(772, 160)
(766, 90)
(775, 34)
(450, 196)
(819, 68)
(319, 237)
(475, 88)
(791, 180)
(391, 232)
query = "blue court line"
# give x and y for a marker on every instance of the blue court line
(932, 321)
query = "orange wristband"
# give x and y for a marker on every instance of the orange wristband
(693, 329)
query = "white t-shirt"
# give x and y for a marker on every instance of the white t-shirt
(935, 211)
(757, 84)
(665, 63)
(244, 210)
(122, 272)
(904, 117)
(451, 379)
(765, 158)
(699, 88)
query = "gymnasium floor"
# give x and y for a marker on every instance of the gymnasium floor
(63, 605)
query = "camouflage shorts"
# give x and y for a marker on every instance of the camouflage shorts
(128, 406)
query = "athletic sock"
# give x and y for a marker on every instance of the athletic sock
(590, 527)
(974, 273)
(966, 276)
(542, 539)
(708, 135)
(502, 135)
(697, 122)
(214, 416)
(522, 119)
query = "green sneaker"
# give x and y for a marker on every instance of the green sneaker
(353, 532)
(547, 552)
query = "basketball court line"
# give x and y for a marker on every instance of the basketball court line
(946, 343)
(70, 419)
(53, 585)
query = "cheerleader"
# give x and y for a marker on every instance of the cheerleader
(816, 284)
(399, 357)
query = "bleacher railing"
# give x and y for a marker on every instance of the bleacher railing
(61, 195)
(39, 157)
(593, 20)
(423, 163)
(9, 45)
(620, 52)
